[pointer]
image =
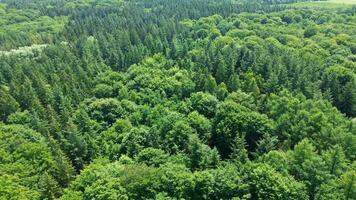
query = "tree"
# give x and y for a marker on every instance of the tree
(340, 81)
(239, 152)
(335, 160)
(222, 91)
(266, 144)
(252, 87)
(188, 99)
(201, 156)
(152, 157)
(349, 100)
(210, 84)
(11, 188)
(30, 163)
(339, 188)
(201, 125)
(135, 140)
(234, 82)
(8, 104)
(113, 137)
(298, 118)
(204, 103)
(266, 183)
(233, 120)
(310, 31)
(177, 139)
(221, 69)
(106, 111)
(308, 167)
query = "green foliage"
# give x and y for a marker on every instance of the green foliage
(266, 183)
(314, 119)
(167, 99)
(201, 125)
(8, 104)
(204, 103)
(30, 165)
(152, 156)
(340, 188)
(308, 167)
(27, 27)
(233, 120)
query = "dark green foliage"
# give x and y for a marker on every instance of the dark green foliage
(8, 104)
(233, 120)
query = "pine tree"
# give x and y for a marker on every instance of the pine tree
(210, 84)
(251, 86)
(234, 83)
(349, 99)
(221, 70)
(8, 104)
(239, 152)
(222, 91)
(335, 160)
(265, 144)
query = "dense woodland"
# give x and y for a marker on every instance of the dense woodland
(177, 99)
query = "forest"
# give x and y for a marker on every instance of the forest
(178, 99)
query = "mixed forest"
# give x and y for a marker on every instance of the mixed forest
(177, 99)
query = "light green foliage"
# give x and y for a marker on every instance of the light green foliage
(269, 184)
(320, 121)
(327, 4)
(308, 166)
(152, 156)
(103, 180)
(158, 74)
(30, 166)
(201, 125)
(339, 188)
(29, 26)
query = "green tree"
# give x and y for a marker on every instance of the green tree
(204, 103)
(233, 120)
(30, 162)
(8, 104)
(266, 183)
(309, 167)
(210, 84)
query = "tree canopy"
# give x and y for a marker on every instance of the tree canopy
(167, 99)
